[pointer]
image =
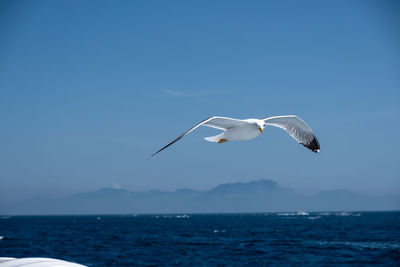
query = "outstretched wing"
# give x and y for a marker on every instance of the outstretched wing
(297, 129)
(221, 123)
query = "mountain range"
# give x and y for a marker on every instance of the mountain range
(257, 196)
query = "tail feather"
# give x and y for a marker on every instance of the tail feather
(215, 138)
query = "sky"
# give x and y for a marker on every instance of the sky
(90, 89)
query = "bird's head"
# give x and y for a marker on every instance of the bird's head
(261, 126)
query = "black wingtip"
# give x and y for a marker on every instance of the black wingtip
(313, 145)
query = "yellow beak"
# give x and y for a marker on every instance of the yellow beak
(261, 129)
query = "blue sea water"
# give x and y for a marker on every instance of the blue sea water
(359, 239)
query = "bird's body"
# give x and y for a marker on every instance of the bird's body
(247, 131)
(236, 130)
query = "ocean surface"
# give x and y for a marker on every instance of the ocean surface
(356, 238)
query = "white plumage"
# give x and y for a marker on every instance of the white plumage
(235, 130)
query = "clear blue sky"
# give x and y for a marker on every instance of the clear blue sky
(90, 89)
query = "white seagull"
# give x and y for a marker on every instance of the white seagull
(235, 130)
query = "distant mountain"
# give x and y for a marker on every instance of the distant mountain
(257, 196)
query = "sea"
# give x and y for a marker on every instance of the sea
(260, 239)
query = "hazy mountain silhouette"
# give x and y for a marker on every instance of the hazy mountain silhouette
(257, 196)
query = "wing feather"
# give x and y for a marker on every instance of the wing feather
(297, 129)
(222, 123)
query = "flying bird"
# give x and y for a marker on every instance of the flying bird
(235, 130)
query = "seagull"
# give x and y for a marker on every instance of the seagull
(235, 130)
